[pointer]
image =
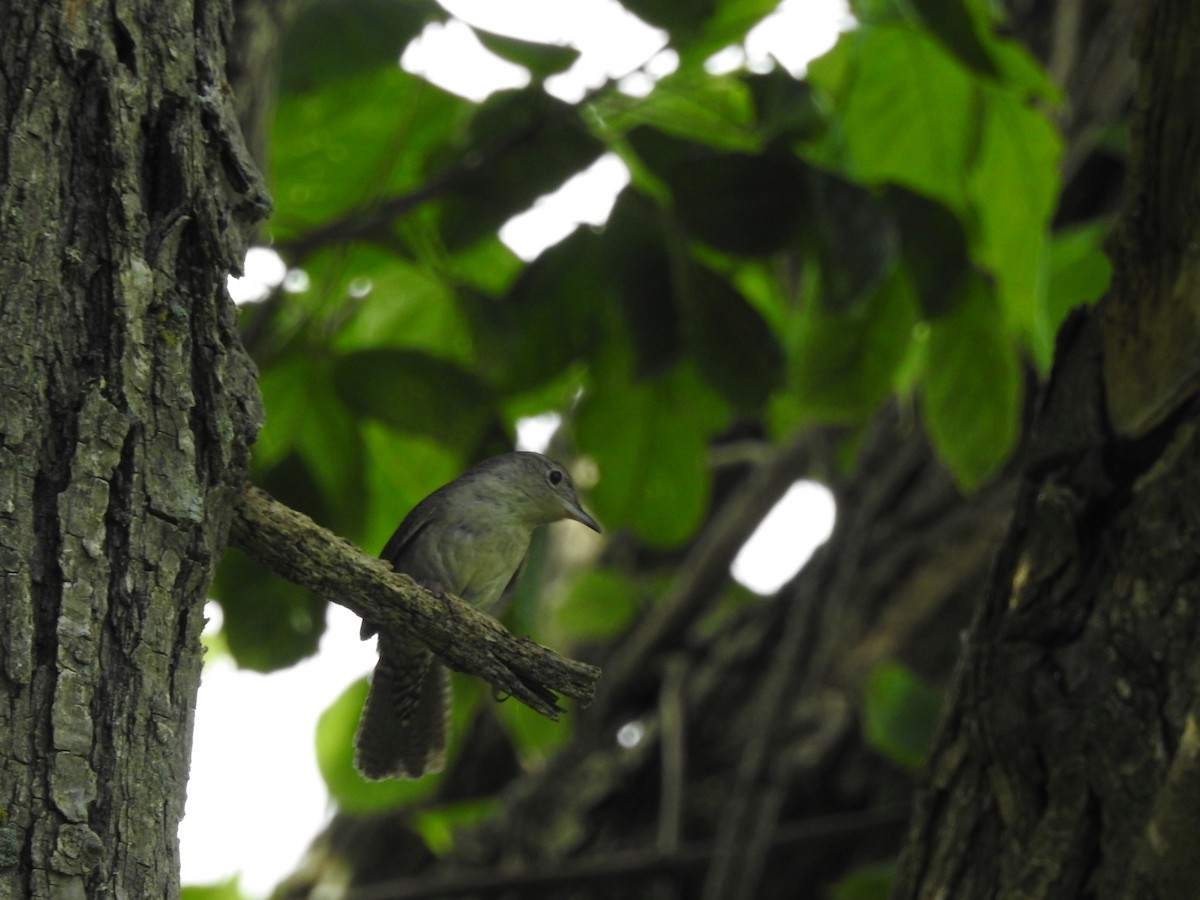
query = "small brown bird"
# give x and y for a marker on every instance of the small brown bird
(467, 538)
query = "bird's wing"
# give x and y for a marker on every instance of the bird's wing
(402, 538)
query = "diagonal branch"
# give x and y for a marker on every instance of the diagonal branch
(294, 547)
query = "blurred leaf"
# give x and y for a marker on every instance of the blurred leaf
(971, 394)
(229, 889)
(1079, 274)
(535, 737)
(376, 297)
(785, 106)
(542, 60)
(437, 826)
(853, 239)
(737, 202)
(550, 318)
(416, 393)
(520, 145)
(1014, 186)
(909, 112)
(900, 713)
(873, 882)
(681, 18)
(312, 455)
(354, 141)
(600, 604)
(634, 258)
(952, 22)
(735, 349)
(690, 105)
(651, 453)
(401, 471)
(329, 40)
(934, 247)
(268, 623)
(352, 793)
(843, 365)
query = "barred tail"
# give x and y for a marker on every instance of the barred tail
(402, 733)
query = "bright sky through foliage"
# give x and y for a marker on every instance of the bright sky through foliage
(255, 798)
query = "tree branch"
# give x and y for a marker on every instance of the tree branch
(294, 547)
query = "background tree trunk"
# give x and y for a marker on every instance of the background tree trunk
(1068, 763)
(126, 411)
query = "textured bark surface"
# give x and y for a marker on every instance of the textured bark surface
(1069, 765)
(126, 411)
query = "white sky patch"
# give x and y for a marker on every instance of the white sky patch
(450, 56)
(253, 753)
(535, 432)
(264, 271)
(796, 526)
(725, 61)
(796, 33)
(586, 198)
(611, 40)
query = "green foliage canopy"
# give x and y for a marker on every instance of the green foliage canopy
(789, 252)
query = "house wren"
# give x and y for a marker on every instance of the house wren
(467, 538)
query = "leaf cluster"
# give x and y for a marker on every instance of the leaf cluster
(789, 252)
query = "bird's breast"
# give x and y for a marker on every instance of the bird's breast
(476, 563)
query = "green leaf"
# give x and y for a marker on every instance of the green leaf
(900, 713)
(268, 623)
(1079, 274)
(352, 793)
(535, 737)
(438, 825)
(634, 256)
(521, 145)
(682, 18)
(355, 141)
(688, 104)
(229, 889)
(373, 297)
(650, 451)
(312, 453)
(600, 604)
(873, 882)
(971, 393)
(551, 317)
(909, 111)
(542, 60)
(785, 107)
(1014, 186)
(734, 348)
(952, 22)
(418, 394)
(852, 236)
(844, 365)
(934, 246)
(329, 40)
(751, 204)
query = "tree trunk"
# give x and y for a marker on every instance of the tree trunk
(1069, 763)
(126, 410)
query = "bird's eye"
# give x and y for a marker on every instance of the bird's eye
(555, 477)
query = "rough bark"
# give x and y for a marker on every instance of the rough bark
(1067, 765)
(126, 410)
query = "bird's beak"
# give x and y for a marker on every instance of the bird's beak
(575, 511)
